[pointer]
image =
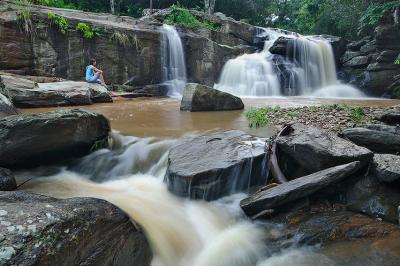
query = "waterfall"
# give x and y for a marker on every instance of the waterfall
(307, 69)
(173, 67)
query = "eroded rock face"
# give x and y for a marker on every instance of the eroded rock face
(211, 166)
(6, 107)
(39, 230)
(7, 180)
(25, 93)
(34, 139)
(386, 167)
(296, 189)
(377, 138)
(197, 97)
(312, 150)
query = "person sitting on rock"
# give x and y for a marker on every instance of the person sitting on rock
(93, 74)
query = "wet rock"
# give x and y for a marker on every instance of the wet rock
(7, 180)
(211, 166)
(388, 56)
(389, 117)
(296, 189)
(374, 198)
(368, 48)
(198, 97)
(280, 46)
(34, 139)
(39, 230)
(155, 90)
(356, 46)
(386, 167)
(377, 138)
(313, 149)
(24, 93)
(6, 107)
(378, 66)
(357, 62)
(349, 55)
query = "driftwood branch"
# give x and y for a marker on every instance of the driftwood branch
(276, 171)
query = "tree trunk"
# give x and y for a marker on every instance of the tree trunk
(112, 6)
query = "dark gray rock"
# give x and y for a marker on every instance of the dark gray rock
(357, 62)
(39, 230)
(313, 149)
(197, 98)
(374, 198)
(377, 138)
(280, 46)
(211, 166)
(388, 56)
(155, 90)
(7, 180)
(356, 46)
(368, 48)
(296, 189)
(386, 167)
(33, 139)
(389, 117)
(348, 55)
(382, 66)
(6, 107)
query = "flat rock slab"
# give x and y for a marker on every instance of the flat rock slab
(296, 189)
(197, 98)
(24, 93)
(313, 149)
(39, 230)
(34, 139)
(386, 167)
(215, 165)
(377, 138)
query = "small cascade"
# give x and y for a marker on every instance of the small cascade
(173, 67)
(307, 67)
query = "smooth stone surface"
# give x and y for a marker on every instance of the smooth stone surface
(357, 62)
(7, 180)
(377, 138)
(197, 98)
(374, 198)
(296, 189)
(215, 165)
(6, 107)
(35, 139)
(313, 149)
(391, 117)
(39, 230)
(386, 167)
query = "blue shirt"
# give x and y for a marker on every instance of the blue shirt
(89, 73)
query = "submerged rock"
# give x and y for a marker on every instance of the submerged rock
(377, 138)
(198, 97)
(25, 93)
(211, 166)
(34, 139)
(296, 189)
(39, 230)
(313, 149)
(6, 107)
(7, 180)
(386, 167)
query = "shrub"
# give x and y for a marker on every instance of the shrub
(59, 21)
(183, 17)
(120, 38)
(257, 117)
(85, 30)
(373, 14)
(357, 114)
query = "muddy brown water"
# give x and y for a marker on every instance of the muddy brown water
(162, 118)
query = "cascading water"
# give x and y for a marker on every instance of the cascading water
(173, 67)
(308, 69)
(180, 232)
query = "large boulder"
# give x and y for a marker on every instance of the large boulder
(26, 93)
(390, 117)
(39, 230)
(296, 189)
(33, 139)
(7, 180)
(6, 107)
(377, 138)
(307, 149)
(386, 167)
(211, 166)
(198, 97)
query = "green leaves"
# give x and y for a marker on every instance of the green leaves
(257, 117)
(61, 22)
(85, 30)
(183, 17)
(373, 14)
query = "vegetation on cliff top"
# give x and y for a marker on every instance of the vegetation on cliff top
(184, 18)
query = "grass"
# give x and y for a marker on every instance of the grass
(100, 144)
(257, 117)
(183, 17)
(85, 30)
(61, 22)
(120, 38)
(357, 114)
(397, 61)
(25, 17)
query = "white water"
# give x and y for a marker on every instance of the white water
(173, 67)
(309, 67)
(180, 232)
